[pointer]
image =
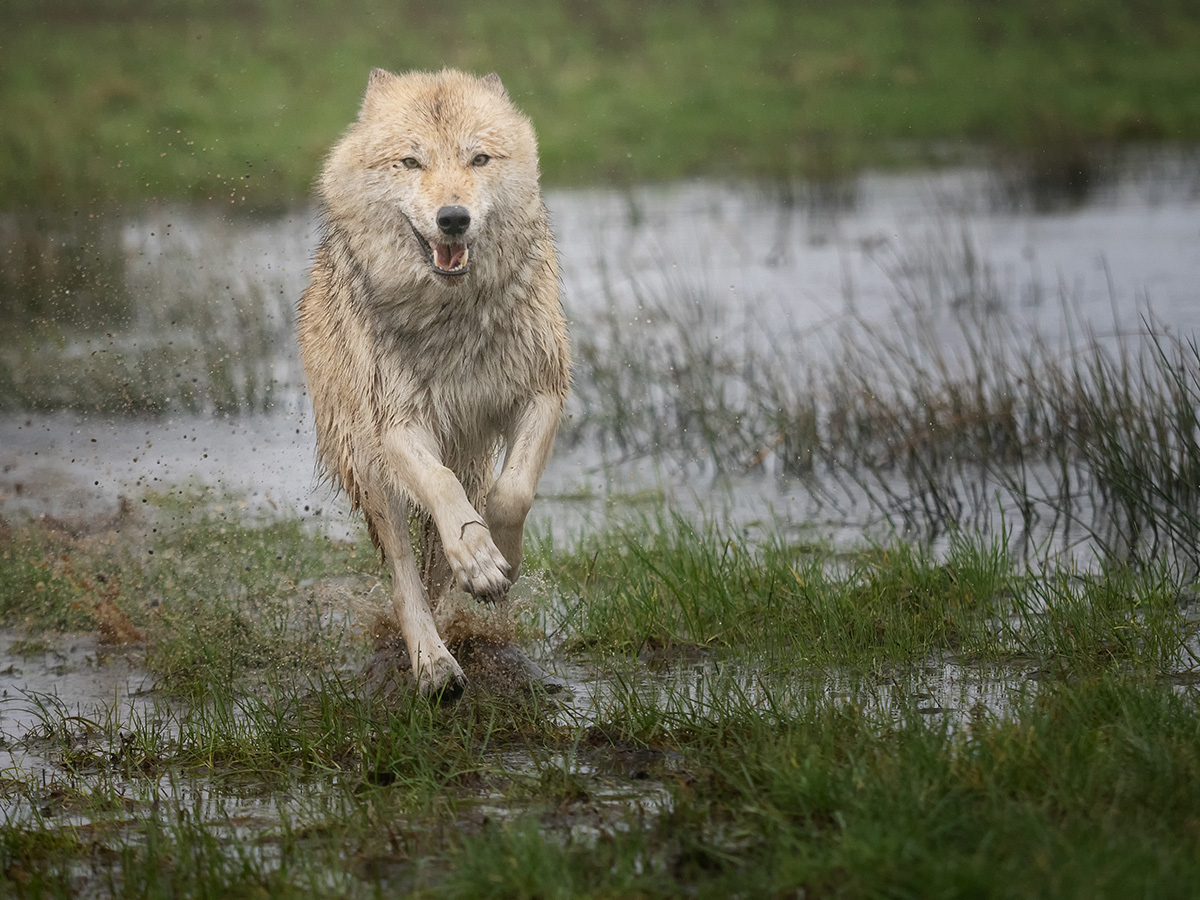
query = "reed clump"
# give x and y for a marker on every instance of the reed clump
(942, 414)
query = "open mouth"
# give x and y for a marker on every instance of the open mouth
(445, 258)
(450, 259)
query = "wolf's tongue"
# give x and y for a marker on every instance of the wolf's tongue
(450, 256)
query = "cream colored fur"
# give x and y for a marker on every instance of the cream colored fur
(419, 379)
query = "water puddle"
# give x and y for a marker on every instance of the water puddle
(70, 679)
(79, 722)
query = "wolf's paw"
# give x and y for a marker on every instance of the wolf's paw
(478, 564)
(442, 680)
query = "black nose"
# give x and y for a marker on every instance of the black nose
(453, 220)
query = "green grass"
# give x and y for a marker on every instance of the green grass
(669, 584)
(236, 103)
(1089, 790)
(762, 726)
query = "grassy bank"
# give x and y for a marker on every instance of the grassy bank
(237, 102)
(754, 719)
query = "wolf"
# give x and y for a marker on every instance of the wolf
(433, 339)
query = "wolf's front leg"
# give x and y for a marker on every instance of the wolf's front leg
(437, 672)
(478, 565)
(530, 440)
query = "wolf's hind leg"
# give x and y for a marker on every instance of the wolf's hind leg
(438, 674)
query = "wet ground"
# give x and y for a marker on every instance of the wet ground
(804, 261)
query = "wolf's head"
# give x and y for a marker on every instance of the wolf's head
(441, 165)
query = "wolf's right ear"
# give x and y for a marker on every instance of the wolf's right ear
(377, 77)
(375, 80)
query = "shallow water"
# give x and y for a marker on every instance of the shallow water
(75, 676)
(704, 688)
(198, 325)
(201, 327)
(70, 705)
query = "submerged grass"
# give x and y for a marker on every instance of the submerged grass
(1085, 788)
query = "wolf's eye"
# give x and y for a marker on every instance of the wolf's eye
(409, 163)
(481, 159)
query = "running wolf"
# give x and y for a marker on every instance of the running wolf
(433, 337)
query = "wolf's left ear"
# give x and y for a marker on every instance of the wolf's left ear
(492, 80)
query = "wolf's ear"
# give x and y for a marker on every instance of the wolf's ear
(377, 79)
(492, 80)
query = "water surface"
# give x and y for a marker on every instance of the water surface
(185, 316)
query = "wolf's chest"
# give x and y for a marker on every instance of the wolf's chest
(459, 344)
(468, 366)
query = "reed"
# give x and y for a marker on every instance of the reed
(930, 420)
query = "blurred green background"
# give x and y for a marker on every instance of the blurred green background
(237, 101)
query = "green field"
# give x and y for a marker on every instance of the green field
(232, 101)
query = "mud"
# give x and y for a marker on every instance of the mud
(498, 668)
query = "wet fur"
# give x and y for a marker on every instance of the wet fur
(420, 379)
